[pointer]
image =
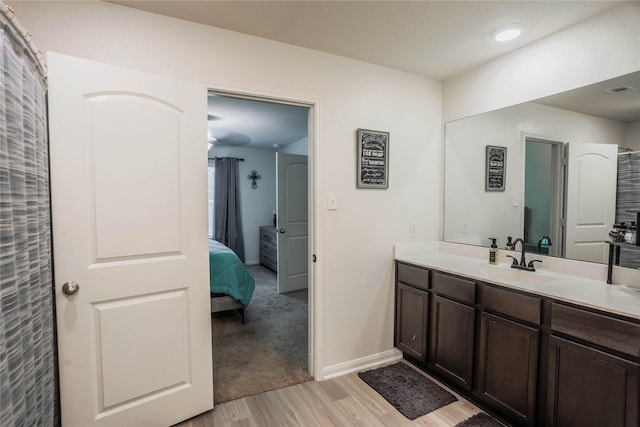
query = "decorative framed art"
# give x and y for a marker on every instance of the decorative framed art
(372, 159)
(495, 168)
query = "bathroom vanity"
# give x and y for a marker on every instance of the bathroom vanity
(534, 348)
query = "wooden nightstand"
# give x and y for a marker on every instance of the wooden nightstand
(269, 247)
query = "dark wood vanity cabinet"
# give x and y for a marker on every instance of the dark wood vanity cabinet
(589, 387)
(594, 376)
(531, 360)
(508, 368)
(452, 330)
(412, 311)
(508, 349)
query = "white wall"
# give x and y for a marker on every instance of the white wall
(632, 136)
(354, 246)
(492, 214)
(257, 205)
(600, 48)
(300, 147)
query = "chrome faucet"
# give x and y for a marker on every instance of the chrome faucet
(522, 265)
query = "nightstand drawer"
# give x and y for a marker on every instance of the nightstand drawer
(269, 246)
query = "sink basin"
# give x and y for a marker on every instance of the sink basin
(498, 273)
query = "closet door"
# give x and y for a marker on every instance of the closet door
(129, 185)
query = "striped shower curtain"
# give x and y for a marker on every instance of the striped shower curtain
(28, 385)
(628, 200)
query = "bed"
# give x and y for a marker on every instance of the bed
(230, 283)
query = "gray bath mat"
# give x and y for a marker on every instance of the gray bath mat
(480, 420)
(410, 392)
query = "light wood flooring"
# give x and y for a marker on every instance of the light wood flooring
(343, 401)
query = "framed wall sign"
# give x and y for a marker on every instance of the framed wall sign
(496, 168)
(373, 159)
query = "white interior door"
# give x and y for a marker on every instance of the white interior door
(591, 200)
(293, 246)
(129, 184)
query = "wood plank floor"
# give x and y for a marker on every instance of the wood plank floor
(343, 401)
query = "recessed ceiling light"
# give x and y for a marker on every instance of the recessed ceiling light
(508, 32)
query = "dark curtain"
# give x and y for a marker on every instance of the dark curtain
(227, 216)
(28, 379)
(628, 200)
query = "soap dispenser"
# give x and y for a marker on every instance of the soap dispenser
(493, 251)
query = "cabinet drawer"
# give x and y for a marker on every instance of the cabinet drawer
(455, 287)
(416, 276)
(616, 334)
(268, 261)
(268, 234)
(269, 247)
(513, 304)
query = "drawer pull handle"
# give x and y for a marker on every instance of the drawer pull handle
(413, 338)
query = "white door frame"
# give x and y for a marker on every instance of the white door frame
(314, 295)
(557, 224)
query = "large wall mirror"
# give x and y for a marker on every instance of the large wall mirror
(566, 178)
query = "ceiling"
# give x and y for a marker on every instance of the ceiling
(241, 122)
(437, 39)
(616, 99)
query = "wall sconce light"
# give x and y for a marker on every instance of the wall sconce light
(254, 176)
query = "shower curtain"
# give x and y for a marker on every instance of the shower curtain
(28, 378)
(628, 200)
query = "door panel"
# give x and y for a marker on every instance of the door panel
(138, 134)
(588, 387)
(128, 183)
(507, 367)
(591, 200)
(293, 242)
(411, 321)
(451, 340)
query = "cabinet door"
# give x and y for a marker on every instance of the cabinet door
(588, 387)
(412, 309)
(451, 340)
(508, 368)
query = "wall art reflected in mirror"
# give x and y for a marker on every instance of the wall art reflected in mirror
(572, 170)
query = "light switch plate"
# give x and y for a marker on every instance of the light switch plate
(332, 201)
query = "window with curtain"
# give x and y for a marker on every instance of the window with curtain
(210, 194)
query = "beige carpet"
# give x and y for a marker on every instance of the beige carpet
(269, 351)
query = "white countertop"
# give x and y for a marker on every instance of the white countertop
(619, 299)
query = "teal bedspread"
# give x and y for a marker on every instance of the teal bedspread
(228, 275)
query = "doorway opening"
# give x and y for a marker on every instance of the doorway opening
(544, 196)
(272, 348)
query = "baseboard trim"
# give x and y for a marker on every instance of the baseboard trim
(360, 364)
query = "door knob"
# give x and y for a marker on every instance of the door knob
(281, 230)
(70, 288)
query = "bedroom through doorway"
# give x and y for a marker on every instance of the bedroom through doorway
(258, 211)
